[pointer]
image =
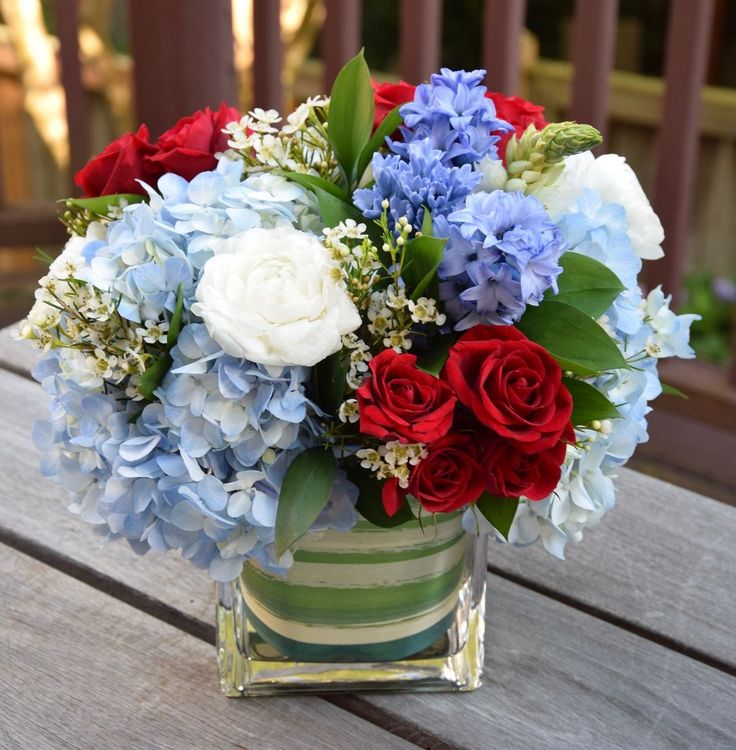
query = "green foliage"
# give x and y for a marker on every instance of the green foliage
(312, 182)
(334, 210)
(328, 382)
(350, 119)
(422, 258)
(102, 205)
(392, 121)
(159, 366)
(433, 360)
(670, 390)
(370, 505)
(153, 375)
(499, 511)
(586, 284)
(588, 402)
(304, 493)
(573, 338)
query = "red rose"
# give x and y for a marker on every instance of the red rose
(387, 96)
(399, 401)
(519, 113)
(510, 472)
(511, 385)
(189, 147)
(118, 167)
(448, 478)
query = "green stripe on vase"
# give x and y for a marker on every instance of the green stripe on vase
(376, 594)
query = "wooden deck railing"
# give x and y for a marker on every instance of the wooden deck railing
(170, 81)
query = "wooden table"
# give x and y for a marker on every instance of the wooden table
(627, 644)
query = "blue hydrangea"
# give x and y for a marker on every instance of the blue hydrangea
(414, 182)
(452, 111)
(200, 468)
(645, 330)
(502, 254)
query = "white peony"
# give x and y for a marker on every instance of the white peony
(275, 297)
(615, 181)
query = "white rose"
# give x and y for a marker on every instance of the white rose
(615, 181)
(273, 296)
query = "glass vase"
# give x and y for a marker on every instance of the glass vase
(369, 609)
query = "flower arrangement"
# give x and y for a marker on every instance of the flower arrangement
(402, 301)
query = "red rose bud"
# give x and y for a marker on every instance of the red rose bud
(511, 385)
(388, 96)
(399, 401)
(515, 110)
(519, 113)
(189, 147)
(119, 166)
(449, 477)
(510, 472)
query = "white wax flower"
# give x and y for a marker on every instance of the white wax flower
(616, 182)
(275, 297)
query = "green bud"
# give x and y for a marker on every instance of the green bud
(563, 139)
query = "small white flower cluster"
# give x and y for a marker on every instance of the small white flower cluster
(300, 145)
(392, 315)
(360, 356)
(73, 315)
(357, 257)
(392, 460)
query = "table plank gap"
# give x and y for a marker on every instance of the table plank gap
(611, 618)
(84, 671)
(106, 584)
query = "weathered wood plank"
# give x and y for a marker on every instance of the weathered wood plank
(555, 676)
(19, 356)
(558, 678)
(660, 561)
(82, 670)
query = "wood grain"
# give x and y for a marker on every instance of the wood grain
(82, 670)
(558, 678)
(555, 676)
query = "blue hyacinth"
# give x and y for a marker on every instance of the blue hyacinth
(418, 180)
(502, 254)
(452, 111)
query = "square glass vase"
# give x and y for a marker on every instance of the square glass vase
(400, 608)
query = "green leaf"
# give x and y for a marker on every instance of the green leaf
(389, 123)
(328, 382)
(312, 182)
(433, 360)
(101, 205)
(427, 224)
(586, 284)
(422, 257)
(499, 511)
(588, 403)
(350, 119)
(304, 493)
(334, 210)
(153, 375)
(370, 505)
(670, 390)
(175, 324)
(573, 338)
